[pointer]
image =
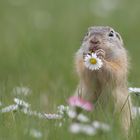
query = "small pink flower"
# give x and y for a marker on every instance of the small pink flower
(79, 102)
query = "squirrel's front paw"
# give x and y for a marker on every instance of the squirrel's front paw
(100, 53)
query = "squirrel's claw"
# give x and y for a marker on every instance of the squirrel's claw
(100, 53)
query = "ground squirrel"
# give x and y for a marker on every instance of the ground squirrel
(110, 81)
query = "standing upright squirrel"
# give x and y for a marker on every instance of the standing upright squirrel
(110, 81)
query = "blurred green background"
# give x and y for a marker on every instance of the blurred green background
(38, 41)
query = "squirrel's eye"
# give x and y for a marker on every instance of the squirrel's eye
(111, 34)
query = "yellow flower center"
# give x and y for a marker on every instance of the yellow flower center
(92, 51)
(93, 61)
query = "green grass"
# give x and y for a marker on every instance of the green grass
(38, 40)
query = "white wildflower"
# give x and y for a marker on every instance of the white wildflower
(41, 115)
(92, 62)
(136, 90)
(35, 133)
(89, 130)
(38, 114)
(26, 111)
(21, 103)
(82, 118)
(82, 128)
(53, 116)
(9, 108)
(32, 113)
(62, 109)
(22, 91)
(75, 128)
(101, 126)
(71, 113)
(96, 124)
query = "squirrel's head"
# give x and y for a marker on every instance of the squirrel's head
(102, 37)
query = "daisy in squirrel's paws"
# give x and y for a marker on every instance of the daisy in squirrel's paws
(92, 62)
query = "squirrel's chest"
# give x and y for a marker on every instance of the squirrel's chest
(104, 78)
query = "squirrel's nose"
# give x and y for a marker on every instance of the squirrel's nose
(95, 40)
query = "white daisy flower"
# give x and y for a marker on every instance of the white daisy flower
(9, 108)
(135, 90)
(21, 103)
(53, 116)
(101, 126)
(71, 113)
(82, 128)
(89, 130)
(82, 118)
(75, 128)
(62, 109)
(29, 112)
(92, 62)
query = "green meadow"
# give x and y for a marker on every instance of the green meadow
(38, 41)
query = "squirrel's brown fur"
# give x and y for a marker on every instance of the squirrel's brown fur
(111, 79)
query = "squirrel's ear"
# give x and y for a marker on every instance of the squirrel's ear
(119, 37)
